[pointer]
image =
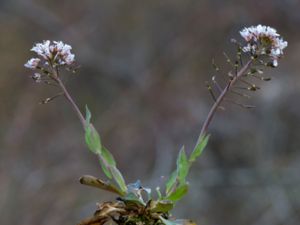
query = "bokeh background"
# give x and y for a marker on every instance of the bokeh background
(143, 70)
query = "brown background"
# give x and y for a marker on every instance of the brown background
(144, 67)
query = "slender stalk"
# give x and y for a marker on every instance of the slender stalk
(68, 97)
(219, 100)
(207, 121)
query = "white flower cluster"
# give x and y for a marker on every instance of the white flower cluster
(56, 53)
(32, 63)
(264, 40)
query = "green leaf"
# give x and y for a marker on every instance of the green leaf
(108, 157)
(105, 167)
(182, 166)
(178, 193)
(118, 178)
(95, 182)
(107, 160)
(199, 148)
(162, 206)
(92, 137)
(158, 193)
(92, 140)
(171, 182)
(133, 200)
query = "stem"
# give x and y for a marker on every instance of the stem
(68, 97)
(219, 100)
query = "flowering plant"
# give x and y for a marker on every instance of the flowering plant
(136, 204)
(264, 40)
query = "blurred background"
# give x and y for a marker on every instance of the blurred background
(143, 70)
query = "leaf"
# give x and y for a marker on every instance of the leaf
(107, 160)
(95, 182)
(133, 201)
(178, 193)
(108, 157)
(199, 148)
(182, 166)
(134, 187)
(105, 167)
(148, 192)
(158, 193)
(133, 198)
(162, 206)
(92, 137)
(138, 190)
(171, 182)
(118, 178)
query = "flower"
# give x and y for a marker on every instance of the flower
(52, 53)
(32, 63)
(62, 53)
(42, 49)
(264, 40)
(37, 77)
